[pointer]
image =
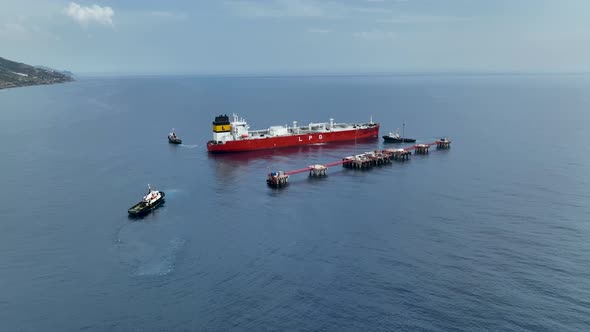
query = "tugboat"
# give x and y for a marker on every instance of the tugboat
(172, 138)
(395, 137)
(150, 201)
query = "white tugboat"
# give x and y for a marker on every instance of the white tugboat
(172, 138)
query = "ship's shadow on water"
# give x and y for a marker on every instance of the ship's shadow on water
(233, 167)
(281, 158)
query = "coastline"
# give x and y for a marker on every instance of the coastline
(11, 85)
(15, 74)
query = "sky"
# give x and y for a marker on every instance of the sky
(297, 36)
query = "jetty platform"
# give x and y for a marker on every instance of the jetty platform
(364, 160)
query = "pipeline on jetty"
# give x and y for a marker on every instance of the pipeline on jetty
(361, 161)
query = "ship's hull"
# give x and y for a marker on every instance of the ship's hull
(173, 140)
(293, 140)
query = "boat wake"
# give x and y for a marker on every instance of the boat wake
(172, 192)
(163, 262)
(148, 254)
(189, 146)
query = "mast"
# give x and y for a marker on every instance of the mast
(403, 130)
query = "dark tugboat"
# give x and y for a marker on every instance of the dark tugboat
(172, 138)
(152, 200)
(394, 137)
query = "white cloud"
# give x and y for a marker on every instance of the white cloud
(408, 19)
(91, 14)
(13, 30)
(312, 9)
(281, 9)
(162, 14)
(322, 31)
(23, 29)
(374, 35)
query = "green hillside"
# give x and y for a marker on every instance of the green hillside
(15, 74)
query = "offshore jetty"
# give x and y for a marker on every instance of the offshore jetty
(365, 160)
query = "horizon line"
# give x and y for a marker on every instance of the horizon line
(331, 73)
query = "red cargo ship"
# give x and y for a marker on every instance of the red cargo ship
(236, 136)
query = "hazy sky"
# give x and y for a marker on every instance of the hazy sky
(297, 36)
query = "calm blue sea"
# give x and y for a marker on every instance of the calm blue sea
(493, 234)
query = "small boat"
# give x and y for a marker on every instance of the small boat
(395, 137)
(172, 138)
(150, 201)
